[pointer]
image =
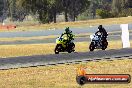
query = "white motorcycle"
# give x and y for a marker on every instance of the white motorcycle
(97, 42)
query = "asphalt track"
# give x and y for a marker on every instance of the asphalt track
(65, 58)
(86, 38)
(52, 40)
(42, 60)
(110, 28)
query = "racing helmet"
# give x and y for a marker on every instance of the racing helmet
(67, 30)
(100, 28)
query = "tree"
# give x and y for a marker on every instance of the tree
(66, 4)
(94, 4)
(129, 3)
(54, 8)
(1, 9)
(39, 7)
(77, 7)
(15, 10)
(12, 9)
(73, 8)
(120, 7)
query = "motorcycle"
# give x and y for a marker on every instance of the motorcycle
(97, 42)
(63, 46)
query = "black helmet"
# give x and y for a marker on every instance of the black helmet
(67, 29)
(100, 27)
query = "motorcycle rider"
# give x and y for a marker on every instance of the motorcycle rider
(69, 35)
(103, 32)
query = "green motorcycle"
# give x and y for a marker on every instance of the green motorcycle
(63, 46)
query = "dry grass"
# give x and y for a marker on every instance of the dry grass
(25, 50)
(27, 38)
(28, 26)
(63, 76)
(43, 49)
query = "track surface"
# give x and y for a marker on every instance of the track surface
(26, 61)
(41, 60)
(110, 28)
(52, 40)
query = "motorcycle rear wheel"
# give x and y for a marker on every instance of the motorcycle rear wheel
(91, 47)
(71, 48)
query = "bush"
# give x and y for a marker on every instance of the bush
(83, 16)
(103, 13)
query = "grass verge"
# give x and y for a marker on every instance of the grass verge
(63, 76)
(43, 49)
(27, 38)
(26, 26)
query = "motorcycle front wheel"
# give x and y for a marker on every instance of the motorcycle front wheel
(57, 49)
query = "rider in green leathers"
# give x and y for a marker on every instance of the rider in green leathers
(69, 35)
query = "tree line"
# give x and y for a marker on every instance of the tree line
(46, 11)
